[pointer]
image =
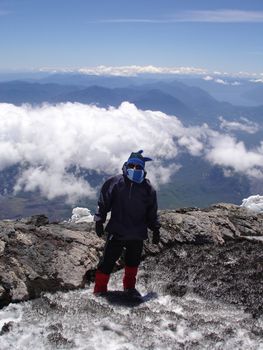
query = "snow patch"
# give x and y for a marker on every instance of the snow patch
(80, 215)
(253, 203)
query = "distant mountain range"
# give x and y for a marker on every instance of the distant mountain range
(237, 91)
(191, 104)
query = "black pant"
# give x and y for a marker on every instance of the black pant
(113, 250)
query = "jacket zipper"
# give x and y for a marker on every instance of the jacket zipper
(130, 190)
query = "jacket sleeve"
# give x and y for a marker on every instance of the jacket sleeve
(104, 202)
(152, 216)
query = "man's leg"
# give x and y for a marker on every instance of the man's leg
(112, 252)
(132, 261)
(101, 282)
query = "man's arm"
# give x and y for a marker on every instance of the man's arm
(104, 206)
(104, 203)
(152, 217)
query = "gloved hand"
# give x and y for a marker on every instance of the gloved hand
(156, 237)
(99, 228)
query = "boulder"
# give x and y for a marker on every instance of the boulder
(52, 257)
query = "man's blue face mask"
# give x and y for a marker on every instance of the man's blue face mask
(135, 173)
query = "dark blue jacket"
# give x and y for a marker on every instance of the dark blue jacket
(133, 208)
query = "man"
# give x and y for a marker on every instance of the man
(133, 204)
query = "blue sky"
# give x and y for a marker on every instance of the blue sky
(214, 35)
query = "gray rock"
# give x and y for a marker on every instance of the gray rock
(37, 256)
(36, 220)
(6, 327)
(45, 258)
(2, 247)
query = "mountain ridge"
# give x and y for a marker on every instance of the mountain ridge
(190, 103)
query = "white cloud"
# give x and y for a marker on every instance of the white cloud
(244, 125)
(8, 154)
(257, 80)
(164, 173)
(192, 140)
(135, 70)
(53, 184)
(206, 16)
(47, 141)
(208, 78)
(220, 16)
(126, 70)
(228, 152)
(221, 81)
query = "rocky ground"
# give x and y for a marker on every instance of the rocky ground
(215, 252)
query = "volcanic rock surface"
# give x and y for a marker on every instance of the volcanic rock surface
(214, 252)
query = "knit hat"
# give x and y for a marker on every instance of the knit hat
(137, 158)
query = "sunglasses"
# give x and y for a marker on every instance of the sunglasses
(134, 166)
